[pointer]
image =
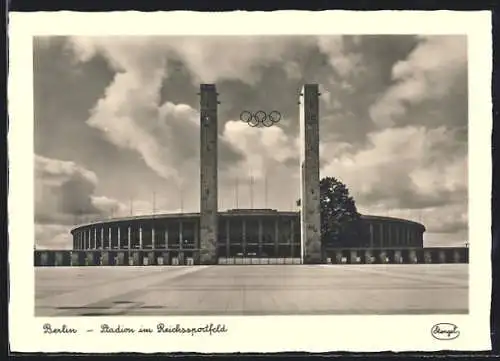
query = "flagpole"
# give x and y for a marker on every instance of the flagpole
(236, 192)
(265, 190)
(251, 191)
(181, 193)
(154, 203)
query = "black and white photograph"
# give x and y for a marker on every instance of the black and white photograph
(252, 175)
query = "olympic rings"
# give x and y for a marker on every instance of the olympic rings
(260, 117)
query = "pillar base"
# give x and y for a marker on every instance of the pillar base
(313, 259)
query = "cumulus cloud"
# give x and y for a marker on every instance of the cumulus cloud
(410, 167)
(210, 59)
(430, 72)
(64, 193)
(392, 123)
(130, 114)
(52, 236)
(264, 148)
(343, 61)
(110, 206)
(452, 218)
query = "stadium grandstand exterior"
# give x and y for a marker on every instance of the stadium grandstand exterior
(245, 236)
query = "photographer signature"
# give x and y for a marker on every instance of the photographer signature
(445, 331)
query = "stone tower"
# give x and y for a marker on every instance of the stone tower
(309, 175)
(208, 174)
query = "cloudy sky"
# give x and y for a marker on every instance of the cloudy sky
(116, 125)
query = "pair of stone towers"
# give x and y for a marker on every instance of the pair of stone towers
(309, 174)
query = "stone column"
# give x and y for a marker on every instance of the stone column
(390, 241)
(292, 236)
(153, 240)
(398, 257)
(180, 256)
(260, 236)
(442, 256)
(413, 256)
(110, 239)
(140, 238)
(338, 257)
(95, 238)
(102, 238)
(371, 235)
(428, 256)
(309, 168)
(129, 238)
(228, 237)
(89, 238)
(368, 257)
(244, 236)
(353, 257)
(195, 235)
(208, 173)
(276, 237)
(119, 238)
(381, 232)
(166, 235)
(181, 236)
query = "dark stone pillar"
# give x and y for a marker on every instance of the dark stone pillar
(208, 174)
(310, 202)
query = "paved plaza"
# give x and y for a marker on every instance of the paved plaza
(251, 290)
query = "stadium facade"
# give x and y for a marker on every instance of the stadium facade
(257, 233)
(245, 236)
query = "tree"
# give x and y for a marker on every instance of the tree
(341, 224)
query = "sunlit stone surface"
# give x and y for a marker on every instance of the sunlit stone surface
(252, 290)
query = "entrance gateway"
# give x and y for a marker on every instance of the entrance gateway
(310, 239)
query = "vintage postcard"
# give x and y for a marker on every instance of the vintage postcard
(249, 181)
